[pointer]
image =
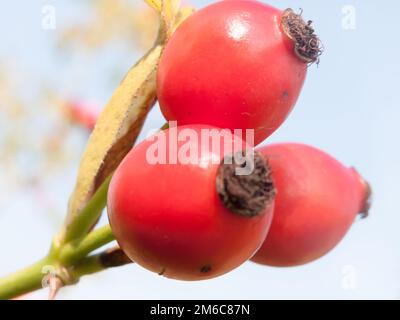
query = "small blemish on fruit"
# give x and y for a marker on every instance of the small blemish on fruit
(285, 95)
(205, 269)
(162, 272)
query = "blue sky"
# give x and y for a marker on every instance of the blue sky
(349, 107)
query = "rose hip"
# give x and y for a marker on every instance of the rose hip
(317, 201)
(236, 65)
(190, 220)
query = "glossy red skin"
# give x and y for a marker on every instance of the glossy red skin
(317, 201)
(169, 219)
(230, 65)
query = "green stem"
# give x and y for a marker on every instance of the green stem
(23, 281)
(89, 216)
(30, 278)
(71, 252)
(75, 251)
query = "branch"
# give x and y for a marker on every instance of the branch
(111, 258)
(115, 133)
(75, 251)
(23, 281)
(89, 216)
(59, 265)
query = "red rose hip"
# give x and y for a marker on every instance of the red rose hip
(236, 65)
(317, 201)
(190, 220)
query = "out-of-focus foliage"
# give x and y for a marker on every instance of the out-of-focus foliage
(40, 135)
(116, 20)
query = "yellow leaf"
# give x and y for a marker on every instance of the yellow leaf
(118, 126)
(171, 9)
(116, 130)
(168, 10)
(182, 15)
(156, 4)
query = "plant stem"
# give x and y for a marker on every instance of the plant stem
(75, 251)
(30, 278)
(111, 258)
(23, 281)
(89, 216)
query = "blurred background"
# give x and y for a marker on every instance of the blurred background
(60, 61)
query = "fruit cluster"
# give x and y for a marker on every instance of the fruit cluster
(196, 201)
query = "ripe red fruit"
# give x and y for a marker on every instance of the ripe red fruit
(317, 201)
(173, 219)
(234, 65)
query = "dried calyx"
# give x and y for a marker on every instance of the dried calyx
(245, 194)
(308, 46)
(367, 201)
